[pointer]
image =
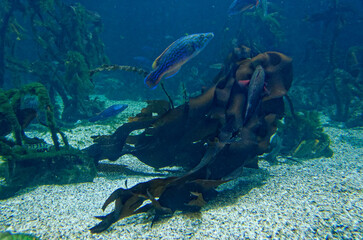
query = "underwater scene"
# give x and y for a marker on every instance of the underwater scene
(171, 119)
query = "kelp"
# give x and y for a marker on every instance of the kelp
(205, 135)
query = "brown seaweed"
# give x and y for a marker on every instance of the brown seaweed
(205, 135)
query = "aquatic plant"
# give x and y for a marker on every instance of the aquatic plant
(17, 236)
(31, 161)
(206, 135)
(8, 119)
(28, 167)
(264, 24)
(16, 118)
(302, 136)
(78, 85)
(59, 31)
(345, 88)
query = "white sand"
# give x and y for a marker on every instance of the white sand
(319, 198)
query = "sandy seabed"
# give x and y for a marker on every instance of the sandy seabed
(314, 199)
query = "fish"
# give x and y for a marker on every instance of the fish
(109, 112)
(255, 91)
(264, 4)
(239, 6)
(177, 54)
(217, 66)
(39, 147)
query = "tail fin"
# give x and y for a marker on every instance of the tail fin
(153, 79)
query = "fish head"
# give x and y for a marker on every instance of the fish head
(201, 40)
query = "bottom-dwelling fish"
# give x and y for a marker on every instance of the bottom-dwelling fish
(239, 6)
(255, 92)
(178, 53)
(109, 112)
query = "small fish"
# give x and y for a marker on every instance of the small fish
(255, 90)
(217, 66)
(178, 53)
(39, 147)
(109, 112)
(264, 4)
(239, 6)
(168, 37)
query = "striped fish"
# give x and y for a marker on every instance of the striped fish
(178, 53)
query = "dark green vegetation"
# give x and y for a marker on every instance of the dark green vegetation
(300, 136)
(16, 236)
(31, 161)
(303, 136)
(335, 70)
(68, 46)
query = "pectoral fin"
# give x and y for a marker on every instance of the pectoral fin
(172, 72)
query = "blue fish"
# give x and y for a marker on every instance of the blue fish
(109, 112)
(239, 6)
(178, 53)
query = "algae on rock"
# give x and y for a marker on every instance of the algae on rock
(302, 136)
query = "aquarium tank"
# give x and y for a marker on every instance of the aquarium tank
(170, 119)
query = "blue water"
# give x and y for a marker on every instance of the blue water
(145, 28)
(146, 24)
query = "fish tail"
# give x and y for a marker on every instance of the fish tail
(153, 78)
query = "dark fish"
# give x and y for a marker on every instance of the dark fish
(239, 6)
(109, 112)
(178, 53)
(255, 90)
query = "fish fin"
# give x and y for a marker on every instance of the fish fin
(266, 91)
(172, 72)
(153, 78)
(157, 60)
(250, 6)
(243, 83)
